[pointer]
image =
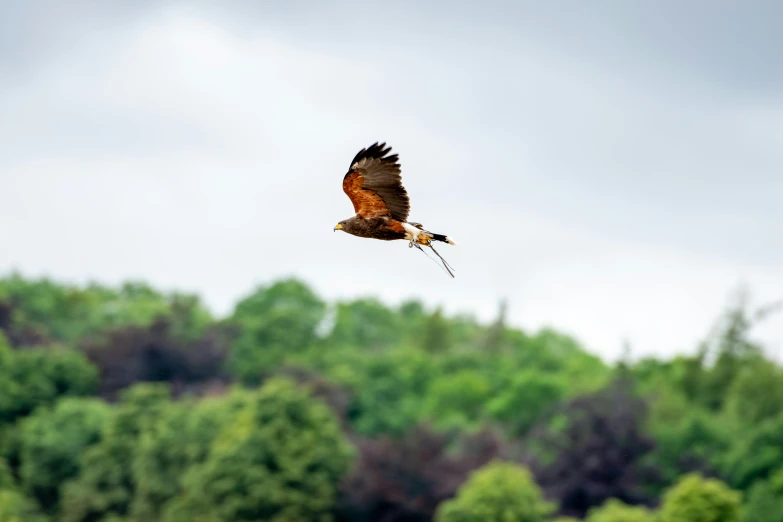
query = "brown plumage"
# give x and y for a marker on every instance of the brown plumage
(374, 185)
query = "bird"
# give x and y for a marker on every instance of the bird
(373, 183)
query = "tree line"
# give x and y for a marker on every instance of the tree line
(129, 404)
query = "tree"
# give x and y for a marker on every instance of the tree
(157, 353)
(106, 485)
(278, 460)
(756, 393)
(756, 456)
(731, 348)
(436, 337)
(275, 322)
(37, 377)
(388, 390)
(180, 439)
(366, 324)
(51, 441)
(764, 502)
(599, 454)
(40, 312)
(694, 442)
(526, 400)
(14, 506)
(456, 401)
(498, 492)
(696, 499)
(405, 479)
(616, 511)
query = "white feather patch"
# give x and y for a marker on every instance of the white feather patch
(411, 232)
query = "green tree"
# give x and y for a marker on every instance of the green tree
(756, 455)
(279, 460)
(526, 400)
(617, 511)
(695, 441)
(106, 485)
(15, 507)
(497, 492)
(275, 322)
(366, 324)
(388, 390)
(696, 499)
(36, 377)
(764, 501)
(756, 393)
(180, 439)
(43, 311)
(51, 441)
(456, 401)
(437, 336)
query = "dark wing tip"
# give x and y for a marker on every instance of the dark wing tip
(377, 151)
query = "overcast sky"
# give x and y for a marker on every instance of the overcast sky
(614, 169)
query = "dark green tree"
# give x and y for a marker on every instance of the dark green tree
(37, 377)
(106, 485)
(51, 441)
(278, 460)
(180, 439)
(764, 501)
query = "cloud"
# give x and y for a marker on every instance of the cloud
(202, 148)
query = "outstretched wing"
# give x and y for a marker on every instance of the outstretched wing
(374, 186)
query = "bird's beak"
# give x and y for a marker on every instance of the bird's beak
(338, 226)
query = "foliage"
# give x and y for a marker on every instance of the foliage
(52, 438)
(696, 499)
(156, 353)
(126, 404)
(405, 479)
(764, 501)
(279, 459)
(599, 454)
(275, 322)
(179, 440)
(106, 485)
(527, 400)
(38, 312)
(37, 377)
(690, 443)
(366, 324)
(498, 492)
(756, 456)
(616, 511)
(15, 507)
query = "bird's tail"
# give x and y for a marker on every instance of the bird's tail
(426, 238)
(445, 239)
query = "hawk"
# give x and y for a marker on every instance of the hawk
(374, 186)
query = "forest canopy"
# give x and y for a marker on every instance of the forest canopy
(128, 404)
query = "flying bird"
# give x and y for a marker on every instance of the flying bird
(374, 186)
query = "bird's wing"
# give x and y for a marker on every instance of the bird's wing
(374, 186)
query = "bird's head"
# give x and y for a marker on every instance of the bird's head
(339, 226)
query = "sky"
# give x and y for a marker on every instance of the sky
(612, 169)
